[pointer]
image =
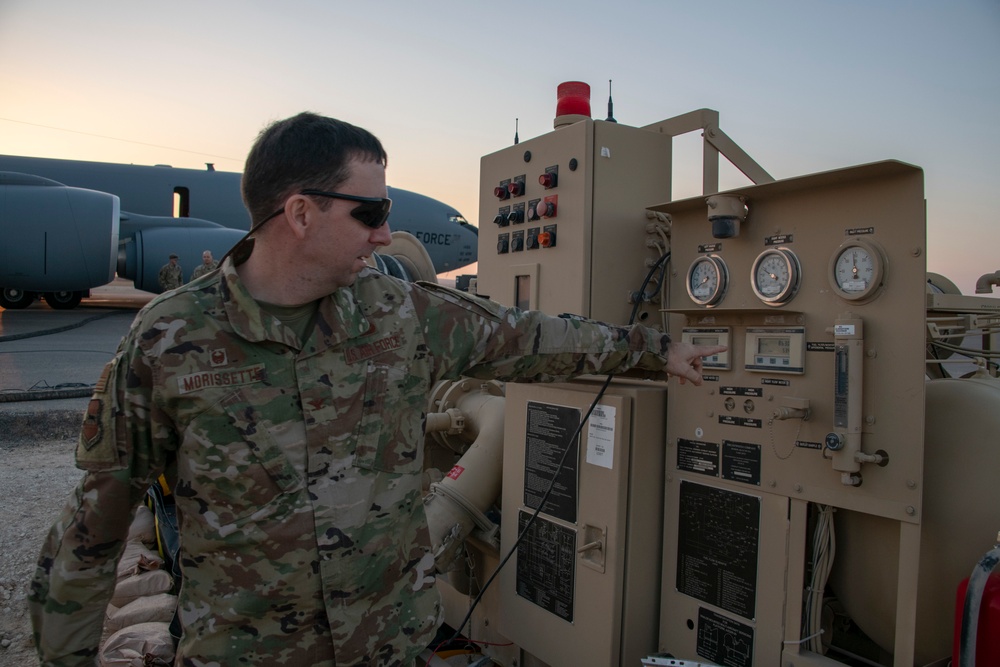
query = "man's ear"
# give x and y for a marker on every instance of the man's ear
(299, 212)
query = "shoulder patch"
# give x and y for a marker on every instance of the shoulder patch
(100, 445)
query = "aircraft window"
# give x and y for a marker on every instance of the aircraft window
(458, 219)
(182, 202)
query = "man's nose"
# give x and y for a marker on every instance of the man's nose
(382, 236)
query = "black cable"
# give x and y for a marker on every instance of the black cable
(569, 447)
(54, 330)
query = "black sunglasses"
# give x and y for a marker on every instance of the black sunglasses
(371, 211)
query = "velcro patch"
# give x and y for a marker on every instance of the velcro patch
(92, 430)
(220, 378)
(364, 351)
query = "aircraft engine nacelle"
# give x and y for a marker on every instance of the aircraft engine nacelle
(56, 238)
(141, 255)
(405, 258)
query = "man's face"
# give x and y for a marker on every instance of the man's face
(206, 257)
(339, 244)
(173, 261)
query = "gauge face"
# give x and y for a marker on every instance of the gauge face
(707, 280)
(856, 270)
(775, 276)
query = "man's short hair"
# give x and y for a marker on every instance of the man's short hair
(173, 256)
(304, 151)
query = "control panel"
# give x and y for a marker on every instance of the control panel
(796, 525)
(564, 209)
(581, 589)
(819, 399)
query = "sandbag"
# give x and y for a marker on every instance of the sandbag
(143, 528)
(157, 608)
(142, 645)
(140, 585)
(138, 558)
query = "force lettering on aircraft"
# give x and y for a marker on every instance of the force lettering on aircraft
(431, 238)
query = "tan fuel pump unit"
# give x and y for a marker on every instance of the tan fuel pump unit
(827, 468)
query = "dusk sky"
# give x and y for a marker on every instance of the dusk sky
(803, 86)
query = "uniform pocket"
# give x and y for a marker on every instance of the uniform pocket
(385, 440)
(232, 467)
(267, 453)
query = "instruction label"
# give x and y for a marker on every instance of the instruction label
(546, 565)
(717, 543)
(723, 640)
(697, 456)
(549, 428)
(741, 462)
(601, 436)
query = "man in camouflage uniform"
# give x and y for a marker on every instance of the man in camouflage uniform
(171, 275)
(207, 264)
(284, 396)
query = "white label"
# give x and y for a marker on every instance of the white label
(843, 330)
(601, 437)
(854, 285)
(605, 151)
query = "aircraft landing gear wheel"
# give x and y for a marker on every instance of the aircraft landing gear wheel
(13, 299)
(63, 300)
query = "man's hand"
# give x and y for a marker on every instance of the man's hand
(684, 360)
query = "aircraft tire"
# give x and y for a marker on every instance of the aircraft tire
(63, 300)
(12, 298)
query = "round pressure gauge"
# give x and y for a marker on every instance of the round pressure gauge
(707, 280)
(856, 270)
(775, 276)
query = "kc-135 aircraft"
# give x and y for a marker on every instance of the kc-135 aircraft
(68, 225)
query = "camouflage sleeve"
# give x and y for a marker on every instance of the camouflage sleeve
(75, 575)
(482, 339)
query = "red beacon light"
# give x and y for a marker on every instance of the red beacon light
(572, 103)
(516, 189)
(548, 180)
(500, 192)
(573, 99)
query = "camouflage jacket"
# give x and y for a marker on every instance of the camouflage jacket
(202, 269)
(171, 276)
(298, 467)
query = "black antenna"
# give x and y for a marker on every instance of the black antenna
(611, 107)
(515, 132)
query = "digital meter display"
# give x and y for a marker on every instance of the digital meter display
(774, 347)
(711, 336)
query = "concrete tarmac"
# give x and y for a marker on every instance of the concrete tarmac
(51, 359)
